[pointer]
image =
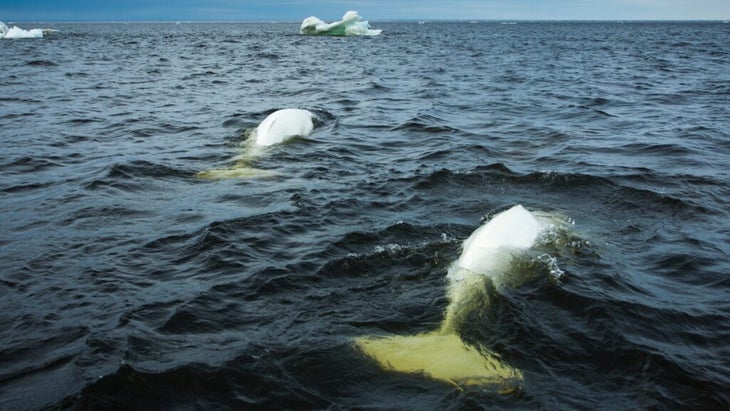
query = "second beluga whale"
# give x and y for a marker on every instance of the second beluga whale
(283, 125)
(482, 269)
(278, 127)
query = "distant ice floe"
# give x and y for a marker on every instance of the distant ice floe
(16, 32)
(350, 25)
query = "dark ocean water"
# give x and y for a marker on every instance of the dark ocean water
(128, 283)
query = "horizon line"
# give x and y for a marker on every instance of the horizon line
(409, 20)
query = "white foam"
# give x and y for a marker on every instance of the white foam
(350, 25)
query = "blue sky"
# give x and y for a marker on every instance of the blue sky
(297, 10)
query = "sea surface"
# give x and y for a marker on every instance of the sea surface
(129, 282)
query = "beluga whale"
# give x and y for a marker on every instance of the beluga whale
(277, 128)
(283, 125)
(474, 279)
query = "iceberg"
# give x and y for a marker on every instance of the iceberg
(350, 25)
(16, 32)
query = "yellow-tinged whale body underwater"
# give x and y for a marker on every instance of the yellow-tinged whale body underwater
(482, 266)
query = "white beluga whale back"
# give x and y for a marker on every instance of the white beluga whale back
(515, 228)
(283, 125)
(482, 265)
(278, 127)
(350, 25)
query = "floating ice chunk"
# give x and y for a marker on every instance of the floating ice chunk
(350, 25)
(17, 33)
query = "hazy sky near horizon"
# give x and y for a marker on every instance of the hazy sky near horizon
(329, 10)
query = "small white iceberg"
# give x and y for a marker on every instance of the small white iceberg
(350, 25)
(16, 32)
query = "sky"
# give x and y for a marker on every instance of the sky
(330, 10)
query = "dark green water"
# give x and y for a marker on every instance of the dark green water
(128, 283)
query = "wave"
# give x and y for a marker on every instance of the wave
(426, 123)
(29, 164)
(136, 175)
(41, 63)
(628, 191)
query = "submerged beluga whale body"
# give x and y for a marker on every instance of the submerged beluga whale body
(483, 265)
(278, 127)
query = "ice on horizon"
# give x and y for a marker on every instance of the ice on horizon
(350, 25)
(16, 32)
